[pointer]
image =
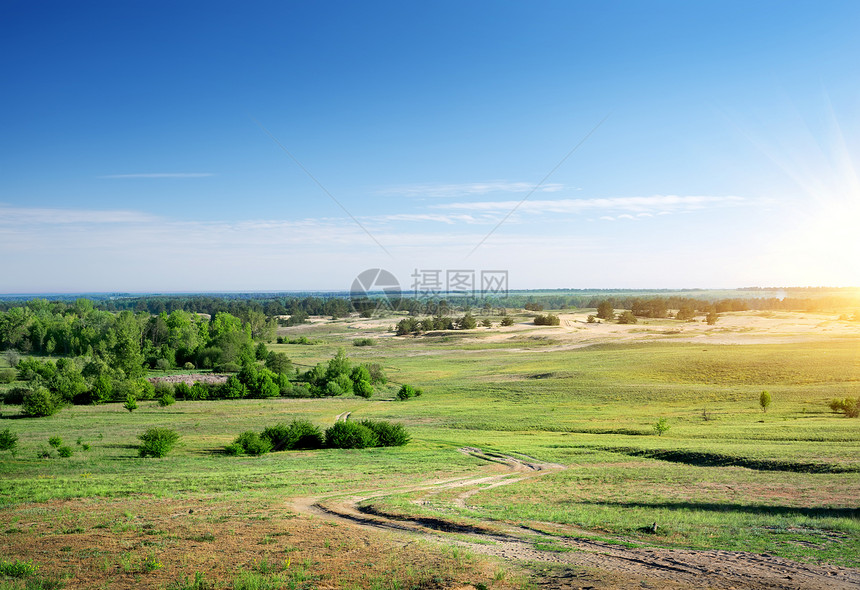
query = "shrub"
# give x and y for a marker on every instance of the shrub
(407, 391)
(261, 352)
(661, 426)
(8, 441)
(39, 402)
(43, 453)
(199, 391)
(849, 407)
(350, 435)
(591, 319)
(188, 366)
(162, 364)
(507, 321)
(157, 442)
(547, 320)
(229, 368)
(300, 390)
(234, 449)
(627, 317)
(363, 342)
(181, 390)
(8, 375)
(764, 401)
(166, 399)
(279, 363)
(130, 403)
(234, 389)
(377, 374)
(298, 434)
(388, 433)
(55, 441)
(363, 389)
(163, 387)
(64, 451)
(16, 395)
(145, 389)
(252, 443)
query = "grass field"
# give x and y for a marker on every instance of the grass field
(726, 475)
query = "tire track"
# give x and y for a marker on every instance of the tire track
(663, 567)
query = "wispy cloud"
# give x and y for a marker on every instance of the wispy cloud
(467, 189)
(48, 216)
(160, 175)
(435, 217)
(640, 205)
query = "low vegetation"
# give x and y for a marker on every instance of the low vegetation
(157, 442)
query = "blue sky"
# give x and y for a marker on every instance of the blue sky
(137, 149)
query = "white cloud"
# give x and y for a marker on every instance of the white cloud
(35, 215)
(468, 189)
(658, 203)
(160, 175)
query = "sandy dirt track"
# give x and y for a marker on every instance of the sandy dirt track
(619, 566)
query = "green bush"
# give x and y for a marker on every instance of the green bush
(388, 433)
(55, 441)
(363, 342)
(166, 399)
(507, 321)
(234, 449)
(407, 391)
(252, 443)
(64, 451)
(8, 375)
(39, 402)
(234, 389)
(157, 442)
(145, 390)
(279, 363)
(764, 401)
(298, 434)
(15, 396)
(661, 426)
(626, 317)
(181, 390)
(849, 407)
(8, 441)
(350, 435)
(130, 403)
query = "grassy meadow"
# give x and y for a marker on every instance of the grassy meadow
(724, 475)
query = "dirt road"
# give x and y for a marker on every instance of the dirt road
(615, 565)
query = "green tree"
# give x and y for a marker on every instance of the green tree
(9, 441)
(605, 311)
(39, 402)
(627, 317)
(661, 426)
(279, 363)
(764, 401)
(126, 352)
(467, 322)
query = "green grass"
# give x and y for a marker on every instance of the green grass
(783, 482)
